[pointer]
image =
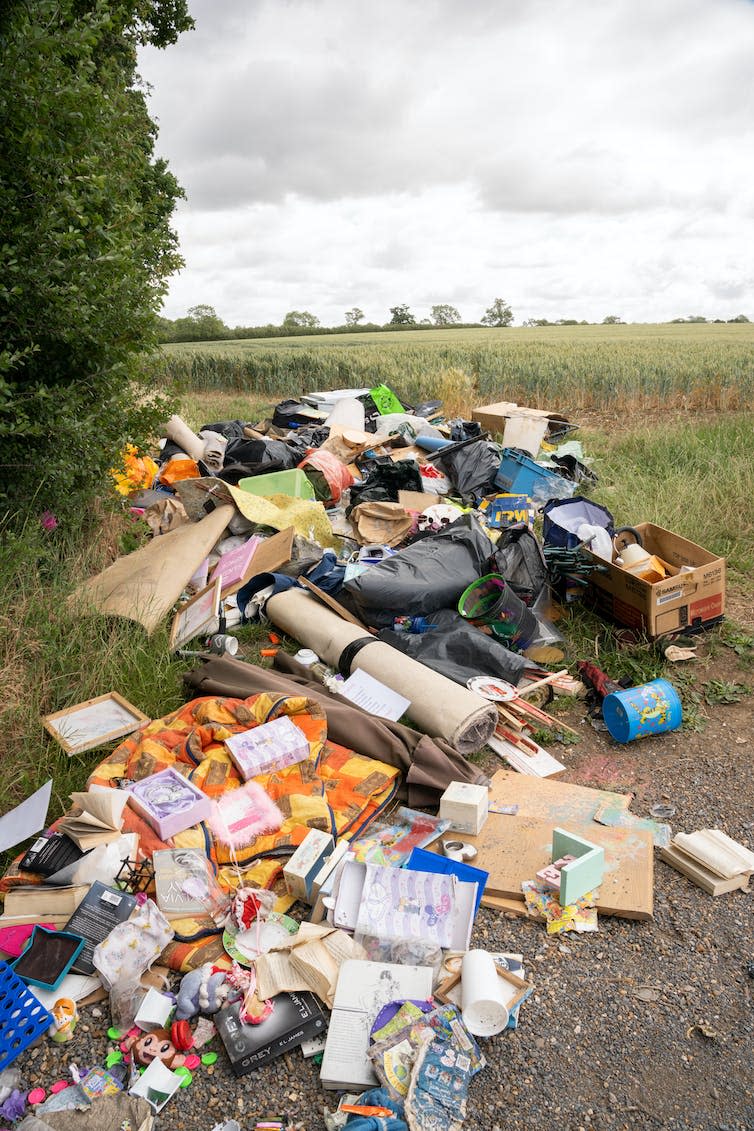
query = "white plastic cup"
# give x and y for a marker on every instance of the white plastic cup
(483, 1009)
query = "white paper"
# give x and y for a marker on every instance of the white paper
(539, 765)
(93, 721)
(26, 819)
(73, 986)
(482, 1003)
(156, 1085)
(367, 692)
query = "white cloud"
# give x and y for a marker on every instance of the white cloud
(576, 158)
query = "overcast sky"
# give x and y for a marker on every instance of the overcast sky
(575, 157)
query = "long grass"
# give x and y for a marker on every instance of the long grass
(580, 368)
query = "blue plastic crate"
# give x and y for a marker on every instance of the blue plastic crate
(520, 475)
(23, 1019)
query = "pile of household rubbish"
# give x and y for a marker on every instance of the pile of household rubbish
(294, 859)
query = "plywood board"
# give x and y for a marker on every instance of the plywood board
(513, 849)
(555, 801)
(144, 585)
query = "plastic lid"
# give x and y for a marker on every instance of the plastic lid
(306, 656)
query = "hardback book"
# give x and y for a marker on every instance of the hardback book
(295, 1018)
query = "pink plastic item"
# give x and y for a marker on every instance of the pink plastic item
(36, 1096)
(14, 939)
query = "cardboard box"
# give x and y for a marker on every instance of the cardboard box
(169, 802)
(303, 866)
(465, 806)
(494, 417)
(269, 747)
(690, 599)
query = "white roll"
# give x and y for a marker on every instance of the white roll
(440, 707)
(483, 1009)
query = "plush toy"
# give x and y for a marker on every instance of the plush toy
(157, 1045)
(201, 991)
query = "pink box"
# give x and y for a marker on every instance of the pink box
(169, 802)
(271, 746)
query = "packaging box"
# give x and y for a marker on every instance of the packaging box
(271, 746)
(303, 866)
(494, 417)
(169, 802)
(465, 806)
(691, 597)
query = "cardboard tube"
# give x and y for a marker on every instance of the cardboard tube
(179, 432)
(439, 706)
(482, 1007)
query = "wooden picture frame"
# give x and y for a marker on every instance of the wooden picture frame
(448, 991)
(94, 722)
(195, 614)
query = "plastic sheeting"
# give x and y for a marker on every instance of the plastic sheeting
(457, 650)
(430, 574)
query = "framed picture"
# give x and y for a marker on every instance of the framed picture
(94, 723)
(197, 614)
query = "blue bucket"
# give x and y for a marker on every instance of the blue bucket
(652, 708)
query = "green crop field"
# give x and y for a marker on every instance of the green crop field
(693, 366)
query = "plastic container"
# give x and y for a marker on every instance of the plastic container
(520, 475)
(491, 601)
(651, 708)
(23, 1019)
(293, 483)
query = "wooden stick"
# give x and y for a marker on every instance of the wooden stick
(551, 678)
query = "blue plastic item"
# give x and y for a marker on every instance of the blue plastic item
(520, 475)
(56, 952)
(432, 443)
(651, 708)
(23, 1019)
(561, 518)
(422, 861)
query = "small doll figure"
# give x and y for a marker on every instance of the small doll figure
(157, 1045)
(65, 1018)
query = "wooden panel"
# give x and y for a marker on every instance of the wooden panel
(555, 801)
(513, 849)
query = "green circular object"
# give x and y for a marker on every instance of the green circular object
(184, 1072)
(113, 1058)
(114, 1034)
(209, 1058)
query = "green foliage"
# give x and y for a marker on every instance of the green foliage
(724, 691)
(85, 241)
(612, 320)
(499, 314)
(354, 316)
(296, 318)
(201, 324)
(445, 315)
(401, 316)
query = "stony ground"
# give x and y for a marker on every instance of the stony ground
(643, 1025)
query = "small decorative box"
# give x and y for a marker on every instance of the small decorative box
(169, 802)
(465, 806)
(306, 861)
(271, 746)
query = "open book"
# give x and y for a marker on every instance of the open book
(96, 818)
(363, 988)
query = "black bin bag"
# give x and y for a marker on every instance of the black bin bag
(430, 574)
(520, 560)
(457, 649)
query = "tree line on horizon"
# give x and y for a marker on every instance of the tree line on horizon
(203, 324)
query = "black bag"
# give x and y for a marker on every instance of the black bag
(520, 560)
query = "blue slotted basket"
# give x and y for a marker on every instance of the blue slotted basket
(23, 1019)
